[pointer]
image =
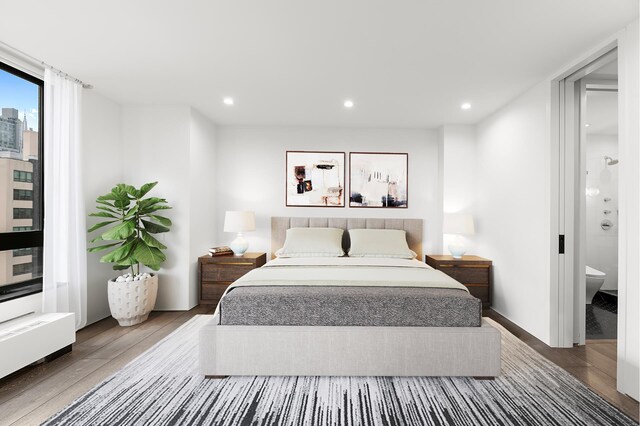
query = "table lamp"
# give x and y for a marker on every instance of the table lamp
(239, 221)
(458, 224)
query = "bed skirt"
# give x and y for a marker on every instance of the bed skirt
(243, 350)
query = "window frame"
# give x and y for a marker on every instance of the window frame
(34, 238)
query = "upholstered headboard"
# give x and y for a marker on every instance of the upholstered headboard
(279, 226)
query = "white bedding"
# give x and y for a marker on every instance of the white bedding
(345, 271)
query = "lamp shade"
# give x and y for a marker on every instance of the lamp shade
(236, 221)
(459, 224)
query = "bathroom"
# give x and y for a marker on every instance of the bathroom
(601, 258)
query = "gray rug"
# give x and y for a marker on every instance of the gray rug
(163, 387)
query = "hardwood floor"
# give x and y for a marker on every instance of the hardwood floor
(34, 393)
(593, 364)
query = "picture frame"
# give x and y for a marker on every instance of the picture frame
(378, 180)
(315, 179)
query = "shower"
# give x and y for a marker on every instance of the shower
(610, 161)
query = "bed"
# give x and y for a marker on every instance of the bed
(348, 316)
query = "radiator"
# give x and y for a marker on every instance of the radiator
(30, 338)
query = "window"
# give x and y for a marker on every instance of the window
(23, 194)
(21, 183)
(22, 213)
(22, 268)
(22, 176)
(23, 252)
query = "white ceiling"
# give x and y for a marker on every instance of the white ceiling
(408, 63)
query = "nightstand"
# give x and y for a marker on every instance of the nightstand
(215, 273)
(472, 271)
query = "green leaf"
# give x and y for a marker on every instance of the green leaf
(120, 232)
(163, 220)
(119, 254)
(106, 209)
(151, 241)
(154, 267)
(148, 256)
(146, 188)
(151, 201)
(131, 190)
(132, 211)
(100, 248)
(104, 198)
(105, 203)
(96, 239)
(103, 214)
(153, 208)
(128, 261)
(117, 267)
(153, 228)
(122, 203)
(100, 225)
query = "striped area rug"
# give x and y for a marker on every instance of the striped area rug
(163, 387)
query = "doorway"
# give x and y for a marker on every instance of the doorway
(588, 208)
(600, 233)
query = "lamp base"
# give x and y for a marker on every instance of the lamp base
(239, 245)
(457, 251)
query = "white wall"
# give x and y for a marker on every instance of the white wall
(156, 148)
(103, 168)
(250, 166)
(629, 235)
(202, 220)
(602, 245)
(175, 145)
(459, 175)
(513, 208)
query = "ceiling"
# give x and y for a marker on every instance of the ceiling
(408, 63)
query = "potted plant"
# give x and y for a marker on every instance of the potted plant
(131, 222)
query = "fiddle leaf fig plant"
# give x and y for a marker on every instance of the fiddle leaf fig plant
(132, 220)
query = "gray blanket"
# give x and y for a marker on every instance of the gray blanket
(350, 306)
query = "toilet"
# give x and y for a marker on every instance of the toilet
(595, 279)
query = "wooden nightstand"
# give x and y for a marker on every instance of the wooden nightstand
(215, 273)
(472, 271)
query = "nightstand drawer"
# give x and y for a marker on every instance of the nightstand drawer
(213, 291)
(467, 275)
(472, 271)
(472, 275)
(228, 272)
(479, 291)
(215, 273)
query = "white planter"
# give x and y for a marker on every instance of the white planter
(130, 302)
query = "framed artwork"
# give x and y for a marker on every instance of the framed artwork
(315, 179)
(378, 179)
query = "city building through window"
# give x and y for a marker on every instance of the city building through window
(21, 183)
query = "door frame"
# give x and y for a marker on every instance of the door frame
(626, 41)
(568, 201)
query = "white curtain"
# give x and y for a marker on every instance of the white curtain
(65, 254)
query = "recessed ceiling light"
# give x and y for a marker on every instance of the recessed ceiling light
(228, 101)
(465, 105)
(587, 125)
(348, 103)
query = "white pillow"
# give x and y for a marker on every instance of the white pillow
(380, 243)
(312, 242)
